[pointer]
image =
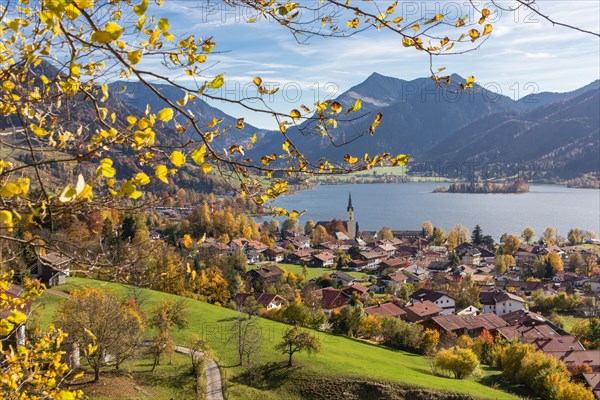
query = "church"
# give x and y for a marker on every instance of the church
(350, 225)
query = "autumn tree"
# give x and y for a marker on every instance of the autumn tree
(427, 228)
(384, 233)
(439, 236)
(295, 340)
(528, 235)
(549, 236)
(575, 236)
(511, 245)
(319, 235)
(102, 324)
(461, 362)
(167, 316)
(430, 339)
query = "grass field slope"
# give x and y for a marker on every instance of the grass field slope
(343, 360)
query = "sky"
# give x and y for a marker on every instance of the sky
(524, 54)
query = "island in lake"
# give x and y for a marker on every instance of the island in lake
(517, 186)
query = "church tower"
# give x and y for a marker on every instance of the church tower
(351, 222)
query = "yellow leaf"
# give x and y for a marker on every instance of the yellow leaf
(217, 82)
(194, 275)
(198, 155)
(206, 168)
(350, 160)
(400, 160)
(357, 105)
(375, 123)
(141, 179)
(253, 138)
(257, 81)
(202, 239)
(353, 23)
(178, 158)
(166, 114)
(188, 268)
(187, 241)
(161, 173)
(487, 29)
(474, 33)
(141, 8)
(114, 30)
(134, 56)
(106, 168)
(163, 24)
(286, 146)
(240, 123)
(295, 114)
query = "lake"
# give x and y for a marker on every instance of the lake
(404, 206)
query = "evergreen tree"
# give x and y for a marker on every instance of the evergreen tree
(477, 235)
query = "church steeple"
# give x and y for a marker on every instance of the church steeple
(350, 202)
(350, 222)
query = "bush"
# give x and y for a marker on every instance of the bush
(458, 361)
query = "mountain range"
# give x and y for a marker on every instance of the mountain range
(544, 135)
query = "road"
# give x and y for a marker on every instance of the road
(214, 387)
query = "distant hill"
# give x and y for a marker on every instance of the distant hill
(138, 95)
(560, 139)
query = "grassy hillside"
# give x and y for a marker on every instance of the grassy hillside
(341, 357)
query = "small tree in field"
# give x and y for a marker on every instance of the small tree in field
(295, 340)
(97, 315)
(458, 361)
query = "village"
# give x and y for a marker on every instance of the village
(408, 275)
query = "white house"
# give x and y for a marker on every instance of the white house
(440, 299)
(500, 302)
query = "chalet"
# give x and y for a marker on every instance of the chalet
(342, 278)
(268, 301)
(373, 258)
(441, 299)
(378, 287)
(500, 302)
(573, 358)
(16, 336)
(392, 263)
(557, 344)
(395, 279)
(471, 325)
(439, 266)
(322, 260)
(355, 288)
(468, 254)
(332, 298)
(386, 248)
(421, 311)
(51, 269)
(416, 273)
(275, 254)
(357, 265)
(300, 242)
(252, 248)
(385, 310)
(300, 257)
(269, 273)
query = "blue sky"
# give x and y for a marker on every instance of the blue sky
(523, 54)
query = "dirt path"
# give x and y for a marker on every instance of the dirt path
(214, 387)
